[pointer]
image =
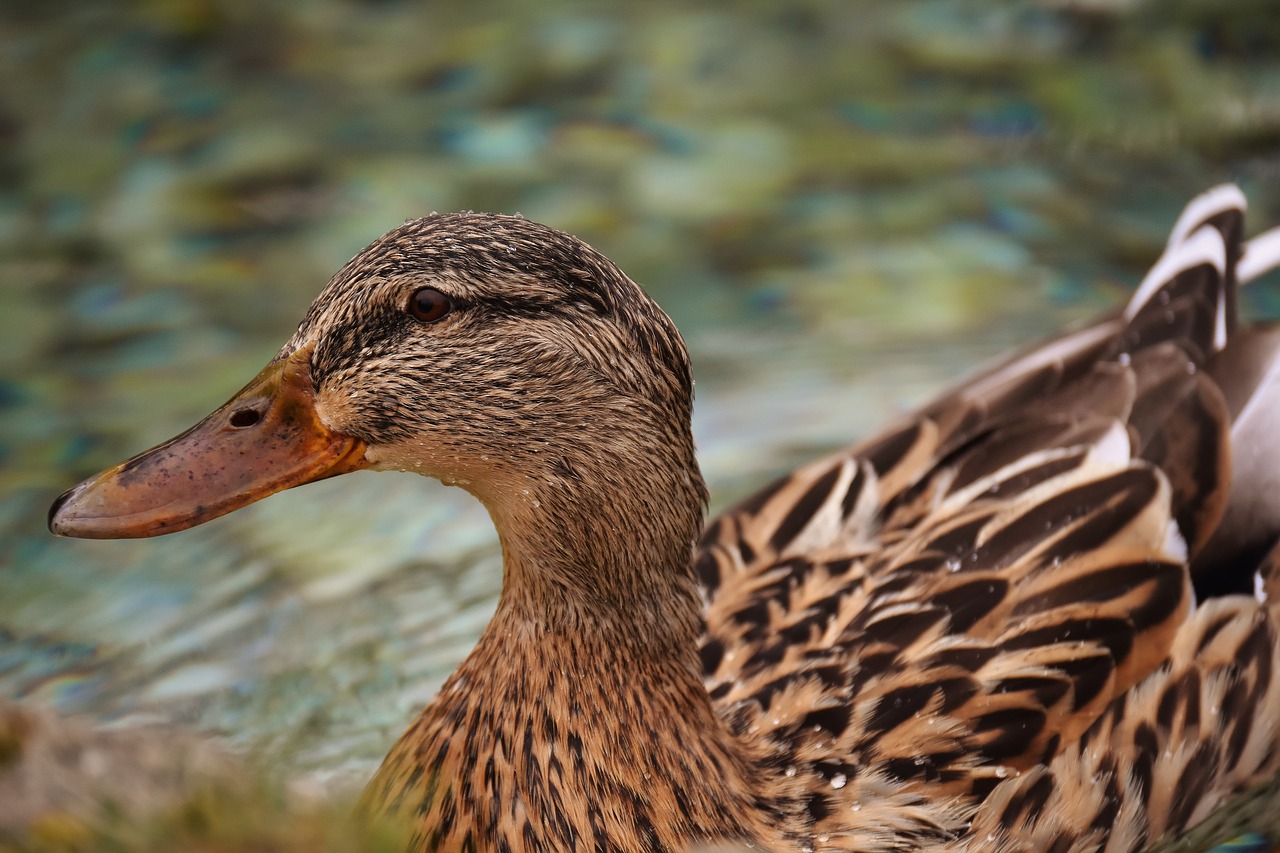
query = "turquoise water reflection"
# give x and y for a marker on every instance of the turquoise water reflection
(843, 207)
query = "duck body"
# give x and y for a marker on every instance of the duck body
(1020, 619)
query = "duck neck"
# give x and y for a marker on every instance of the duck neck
(581, 718)
(547, 741)
(597, 540)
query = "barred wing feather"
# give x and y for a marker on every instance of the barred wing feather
(993, 603)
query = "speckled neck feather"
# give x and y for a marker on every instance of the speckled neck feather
(516, 755)
(589, 664)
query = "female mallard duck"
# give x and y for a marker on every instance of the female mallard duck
(1012, 621)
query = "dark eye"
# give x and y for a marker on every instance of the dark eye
(429, 305)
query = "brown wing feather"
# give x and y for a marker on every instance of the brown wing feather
(990, 598)
(1163, 757)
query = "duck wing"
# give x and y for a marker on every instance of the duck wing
(995, 585)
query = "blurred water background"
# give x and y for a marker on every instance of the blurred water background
(842, 204)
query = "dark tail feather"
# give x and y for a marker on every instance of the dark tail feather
(1247, 370)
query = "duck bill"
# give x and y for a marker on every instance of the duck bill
(266, 439)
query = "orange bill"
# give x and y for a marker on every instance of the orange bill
(266, 439)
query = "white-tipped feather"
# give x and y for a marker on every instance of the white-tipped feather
(1203, 246)
(1204, 207)
(1261, 256)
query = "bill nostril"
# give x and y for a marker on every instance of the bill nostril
(242, 418)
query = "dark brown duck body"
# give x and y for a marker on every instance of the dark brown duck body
(976, 630)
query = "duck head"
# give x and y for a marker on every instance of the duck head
(486, 351)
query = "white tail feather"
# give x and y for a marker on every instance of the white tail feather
(1261, 256)
(1203, 246)
(1204, 207)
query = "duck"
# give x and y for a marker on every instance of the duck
(1041, 612)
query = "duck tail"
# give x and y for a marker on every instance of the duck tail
(1190, 294)
(1248, 373)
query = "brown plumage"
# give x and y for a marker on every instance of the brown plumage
(977, 630)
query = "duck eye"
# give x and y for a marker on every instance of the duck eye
(428, 305)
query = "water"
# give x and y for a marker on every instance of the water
(842, 206)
